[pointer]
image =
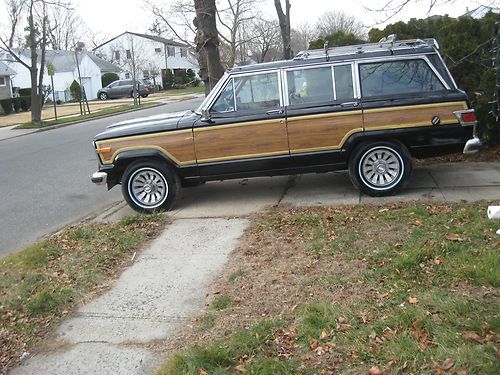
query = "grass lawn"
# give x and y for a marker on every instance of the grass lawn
(402, 288)
(99, 113)
(45, 282)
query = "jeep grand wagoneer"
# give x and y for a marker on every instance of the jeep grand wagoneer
(368, 109)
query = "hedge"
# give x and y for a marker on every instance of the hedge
(18, 104)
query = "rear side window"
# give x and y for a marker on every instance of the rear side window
(310, 85)
(319, 85)
(397, 77)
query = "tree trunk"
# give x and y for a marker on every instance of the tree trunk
(207, 43)
(36, 104)
(284, 20)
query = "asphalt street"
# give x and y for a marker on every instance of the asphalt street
(45, 178)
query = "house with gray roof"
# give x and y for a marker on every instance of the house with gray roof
(65, 70)
(153, 55)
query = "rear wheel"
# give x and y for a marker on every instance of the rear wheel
(150, 186)
(380, 168)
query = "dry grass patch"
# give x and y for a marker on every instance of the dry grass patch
(46, 281)
(409, 288)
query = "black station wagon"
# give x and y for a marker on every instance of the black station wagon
(368, 108)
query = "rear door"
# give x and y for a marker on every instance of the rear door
(247, 131)
(322, 112)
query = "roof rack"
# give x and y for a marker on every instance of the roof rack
(385, 44)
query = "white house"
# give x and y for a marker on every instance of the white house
(65, 71)
(152, 55)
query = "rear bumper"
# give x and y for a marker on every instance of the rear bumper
(99, 178)
(472, 145)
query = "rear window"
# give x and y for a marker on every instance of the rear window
(397, 77)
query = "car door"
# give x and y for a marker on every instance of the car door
(246, 130)
(125, 87)
(112, 89)
(322, 112)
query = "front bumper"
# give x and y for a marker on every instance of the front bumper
(99, 178)
(472, 146)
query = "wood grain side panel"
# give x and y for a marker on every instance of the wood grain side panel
(311, 133)
(419, 115)
(178, 146)
(245, 141)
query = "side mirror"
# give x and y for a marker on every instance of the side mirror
(205, 115)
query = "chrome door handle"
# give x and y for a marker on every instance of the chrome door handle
(275, 112)
(347, 104)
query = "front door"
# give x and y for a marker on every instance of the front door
(247, 130)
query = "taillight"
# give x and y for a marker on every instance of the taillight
(466, 117)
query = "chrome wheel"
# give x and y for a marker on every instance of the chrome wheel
(381, 167)
(148, 188)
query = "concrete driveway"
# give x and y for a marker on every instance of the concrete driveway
(234, 198)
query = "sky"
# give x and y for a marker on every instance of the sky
(109, 18)
(115, 16)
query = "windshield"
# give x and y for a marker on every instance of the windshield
(211, 94)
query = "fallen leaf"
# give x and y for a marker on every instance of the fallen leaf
(240, 368)
(374, 371)
(473, 336)
(324, 334)
(448, 364)
(202, 371)
(412, 300)
(257, 336)
(454, 237)
(313, 344)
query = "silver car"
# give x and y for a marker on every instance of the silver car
(122, 88)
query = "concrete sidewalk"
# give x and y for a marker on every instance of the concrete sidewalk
(165, 287)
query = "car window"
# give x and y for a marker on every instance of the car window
(397, 77)
(225, 102)
(259, 91)
(114, 84)
(343, 82)
(126, 82)
(310, 85)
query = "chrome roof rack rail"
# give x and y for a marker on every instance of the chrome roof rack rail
(389, 43)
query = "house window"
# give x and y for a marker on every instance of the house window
(117, 55)
(184, 52)
(129, 54)
(127, 75)
(3, 81)
(157, 50)
(171, 51)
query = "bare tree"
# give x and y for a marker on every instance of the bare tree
(302, 35)
(233, 15)
(207, 43)
(264, 40)
(333, 21)
(38, 29)
(284, 20)
(67, 28)
(14, 12)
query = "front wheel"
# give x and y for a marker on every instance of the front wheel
(103, 96)
(150, 186)
(380, 168)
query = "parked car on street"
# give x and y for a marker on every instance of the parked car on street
(368, 108)
(124, 88)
